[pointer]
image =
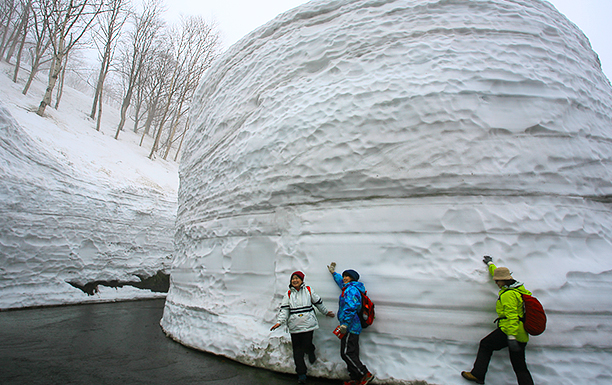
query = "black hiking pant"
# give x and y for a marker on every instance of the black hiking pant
(498, 340)
(349, 351)
(302, 344)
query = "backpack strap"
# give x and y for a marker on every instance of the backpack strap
(522, 319)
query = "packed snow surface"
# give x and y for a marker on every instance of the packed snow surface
(76, 205)
(404, 139)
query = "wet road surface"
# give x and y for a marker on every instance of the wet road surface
(112, 344)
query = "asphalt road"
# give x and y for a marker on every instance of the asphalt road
(112, 344)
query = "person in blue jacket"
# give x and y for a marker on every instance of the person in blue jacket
(350, 324)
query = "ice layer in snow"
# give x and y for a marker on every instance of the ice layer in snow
(68, 216)
(404, 139)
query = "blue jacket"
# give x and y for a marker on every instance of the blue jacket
(349, 303)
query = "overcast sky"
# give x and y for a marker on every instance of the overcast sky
(236, 18)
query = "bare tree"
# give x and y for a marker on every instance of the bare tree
(68, 21)
(202, 50)
(182, 136)
(195, 46)
(146, 27)
(138, 106)
(25, 26)
(110, 25)
(9, 19)
(156, 84)
(41, 43)
(20, 31)
(61, 78)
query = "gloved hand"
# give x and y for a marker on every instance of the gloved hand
(276, 325)
(332, 267)
(487, 259)
(513, 344)
(343, 329)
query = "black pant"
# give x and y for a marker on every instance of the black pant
(498, 340)
(349, 351)
(302, 343)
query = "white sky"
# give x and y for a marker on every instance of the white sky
(236, 18)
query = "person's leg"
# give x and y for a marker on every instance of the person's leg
(520, 366)
(309, 347)
(297, 342)
(349, 351)
(496, 340)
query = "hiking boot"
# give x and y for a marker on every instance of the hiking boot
(366, 379)
(470, 377)
(301, 378)
(312, 357)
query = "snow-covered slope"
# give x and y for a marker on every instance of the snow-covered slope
(76, 205)
(404, 139)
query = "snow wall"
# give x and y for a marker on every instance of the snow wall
(404, 139)
(60, 225)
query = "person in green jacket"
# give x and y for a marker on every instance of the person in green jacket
(510, 331)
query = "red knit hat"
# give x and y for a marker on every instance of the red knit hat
(299, 274)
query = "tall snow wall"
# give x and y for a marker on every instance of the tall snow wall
(61, 229)
(404, 139)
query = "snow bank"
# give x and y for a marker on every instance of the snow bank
(76, 206)
(404, 139)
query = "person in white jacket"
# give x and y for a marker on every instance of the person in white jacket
(297, 311)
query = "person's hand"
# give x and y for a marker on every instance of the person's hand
(275, 326)
(513, 344)
(343, 329)
(332, 267)
(330, 314)
(487, 259)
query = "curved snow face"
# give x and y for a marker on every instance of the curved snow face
(59, 226)
(403, 139)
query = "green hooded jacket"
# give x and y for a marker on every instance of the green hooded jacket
(509, 308)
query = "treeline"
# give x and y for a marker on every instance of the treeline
(148, 68)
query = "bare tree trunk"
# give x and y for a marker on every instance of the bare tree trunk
(65, 17)
(42, 43)
(110, 29)
(137, 108)
(164, 115)
(62, 77)
(98, 91)
(99, 120)
(54, 71)
(24, 27)
(147, 27)
(156, 142)
(18, 60)
(33, 71)
(124, 107)
(175, 122)
(182, 138)
(6, 21)
(150, 116)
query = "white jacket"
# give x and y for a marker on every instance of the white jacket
(297, 309)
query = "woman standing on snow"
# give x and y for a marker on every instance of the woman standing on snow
(510, 331)
(349, 305)
(298, 313)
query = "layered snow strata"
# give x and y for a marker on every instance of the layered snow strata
(60, 225)
(404, 139)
